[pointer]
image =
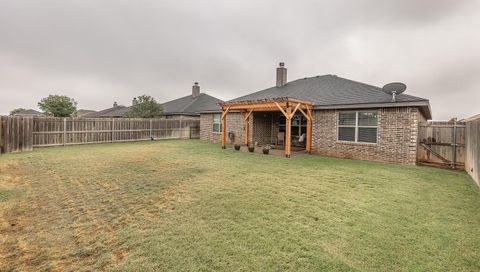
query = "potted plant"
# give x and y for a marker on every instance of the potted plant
(251, 148)
(236, 146)
(266, 149)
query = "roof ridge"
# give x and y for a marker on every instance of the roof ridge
(191, 102)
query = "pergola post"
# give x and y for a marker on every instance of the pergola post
(287, 106)
(309, 131)
(288, 132)
(224, 126)
(246, 120)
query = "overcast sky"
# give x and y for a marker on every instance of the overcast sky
(103, 51)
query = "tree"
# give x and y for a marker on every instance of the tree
(15, 111)
(58, 105)
(145, 106)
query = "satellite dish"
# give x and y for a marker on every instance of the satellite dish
(394, 88)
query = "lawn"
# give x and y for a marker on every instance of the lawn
(191, 206)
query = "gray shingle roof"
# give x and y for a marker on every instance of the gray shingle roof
(82, 112)
(330, 91)
(191, 105)
(118, 111)
(29, 112)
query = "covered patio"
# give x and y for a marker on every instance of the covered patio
(287, 107)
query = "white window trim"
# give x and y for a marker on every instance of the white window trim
(356, 126)
(219, 123)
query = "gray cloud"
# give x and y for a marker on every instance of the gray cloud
(104, 51)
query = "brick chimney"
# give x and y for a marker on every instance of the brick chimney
(281, 75)
(195, 90)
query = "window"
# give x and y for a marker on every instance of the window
(360, 126)
(217, 123)
(299, 124)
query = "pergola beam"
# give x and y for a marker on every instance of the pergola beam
(282, 110)
(295, 110)
(287, 106)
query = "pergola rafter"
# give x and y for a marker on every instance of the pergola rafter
(287, 106)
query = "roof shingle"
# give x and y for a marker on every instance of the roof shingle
(330, 91)
(191, 105)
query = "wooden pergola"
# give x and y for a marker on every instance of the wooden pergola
(287, 106)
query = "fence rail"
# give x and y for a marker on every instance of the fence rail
(53, 131)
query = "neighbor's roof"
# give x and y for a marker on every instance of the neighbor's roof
(472, 118)
(333, 92)
(82, 112)
(118, 111)
(29, 112)
(191, 105)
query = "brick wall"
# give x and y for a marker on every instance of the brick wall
(263, 129)
(234, 124)
(397, 136)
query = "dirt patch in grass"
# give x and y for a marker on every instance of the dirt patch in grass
(70, 216)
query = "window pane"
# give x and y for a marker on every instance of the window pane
(347, 118)
(367, 135)
(216, 127)
(346, 134)
(216, 118)
(367, 118)
(296, 120)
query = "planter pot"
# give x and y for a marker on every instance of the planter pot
(251, 148)
(265, 151)
(237, 147)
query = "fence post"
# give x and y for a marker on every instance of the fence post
(113, 129)
(64, 131)
(151, 129)
(3, 134)
(454, 144)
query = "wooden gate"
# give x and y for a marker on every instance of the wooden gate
(16, 134)
(442, 144)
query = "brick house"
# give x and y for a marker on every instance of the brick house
(326, 115)
(188, 106)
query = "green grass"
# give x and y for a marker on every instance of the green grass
(191, 206)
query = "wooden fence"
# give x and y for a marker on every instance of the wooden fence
(472, 165)
(16, 134)
(23, 133)
(442, 144)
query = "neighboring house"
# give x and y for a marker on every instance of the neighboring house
(188, 106)
(117, 111)
(328, 115)
(30, 112)
(81, 113)
(191, 105)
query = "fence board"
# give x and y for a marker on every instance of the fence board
(472, 164)
(15, 134)
(51, 131)
(442, 143)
